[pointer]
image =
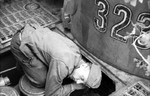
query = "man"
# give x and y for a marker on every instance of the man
(47, 58)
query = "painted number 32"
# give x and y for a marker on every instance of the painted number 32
(101, 20)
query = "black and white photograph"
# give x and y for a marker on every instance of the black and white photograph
(74, 47)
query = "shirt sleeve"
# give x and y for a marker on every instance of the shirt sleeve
(57, 72)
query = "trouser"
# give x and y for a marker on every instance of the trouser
(33, 68)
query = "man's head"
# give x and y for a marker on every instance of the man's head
(88, 74)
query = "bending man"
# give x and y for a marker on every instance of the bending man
(47, 57)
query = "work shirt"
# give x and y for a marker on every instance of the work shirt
(57, 52)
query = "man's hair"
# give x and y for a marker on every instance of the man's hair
(84, 61)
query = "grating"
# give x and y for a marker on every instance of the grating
(137, 89)
(14, 15)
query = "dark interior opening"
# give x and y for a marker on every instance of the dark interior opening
(106, 88)
(7, 68)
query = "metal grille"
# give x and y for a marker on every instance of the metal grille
(138, 89)
(14, 15)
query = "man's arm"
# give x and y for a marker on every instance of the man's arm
(56, 73)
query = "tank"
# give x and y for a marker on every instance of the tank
(112, 33)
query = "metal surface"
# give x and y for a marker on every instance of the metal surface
(122, 79)
(105, 31)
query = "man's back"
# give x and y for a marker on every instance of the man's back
(49, 44)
